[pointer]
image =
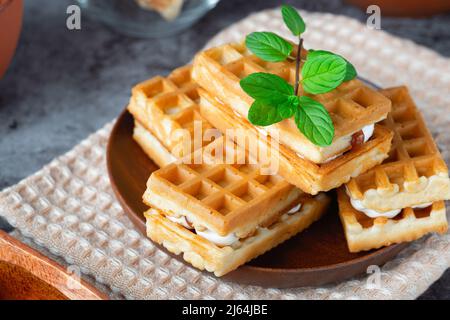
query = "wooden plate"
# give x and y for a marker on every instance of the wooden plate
(316, 256)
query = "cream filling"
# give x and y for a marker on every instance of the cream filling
(433, 188)
(217, 239)
(358, 205)
(367, 132)
(222, 241)
(423, 205)
(180, 220)
(209, 235)
(295, 209)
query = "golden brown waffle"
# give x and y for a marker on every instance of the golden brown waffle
(414, 173)
(364, 233)
(204, 254)
(167, 107)
(308, 176)
(237, 198)
(224, 198)
(352, 105)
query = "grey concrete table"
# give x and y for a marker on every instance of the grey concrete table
(65, 84)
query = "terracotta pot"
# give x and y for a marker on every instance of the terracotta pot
(11, 12)
(405, 8)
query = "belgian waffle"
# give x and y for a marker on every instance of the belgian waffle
(352, 105)
(218, 196)
(308, 176)
(204, 254)
(364, 233)
(167, 107)
(414, 173)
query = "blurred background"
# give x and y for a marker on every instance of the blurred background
(64, 84)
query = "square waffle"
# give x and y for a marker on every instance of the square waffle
(167, 107)
(218, 196)
(364, 233)
(308, 176)
(414, 173)
(204, 254)
(352, 105)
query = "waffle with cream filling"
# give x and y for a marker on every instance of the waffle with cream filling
(225, 196)
(353, 106)
(414, 173)
(308, 176)
(365, 233)
(204, 254)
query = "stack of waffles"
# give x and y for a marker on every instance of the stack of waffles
(353, 106)
(218, 214)
(227, 190)
(403, 198)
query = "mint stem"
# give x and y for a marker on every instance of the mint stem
(297, 64)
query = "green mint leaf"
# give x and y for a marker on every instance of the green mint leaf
(263, 114)
(293, 20)
(323, 72)
(350, 73)
(266, 87)
(268, 46)
(287, 108)
(314, 121)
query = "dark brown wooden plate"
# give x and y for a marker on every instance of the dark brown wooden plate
(316, 256)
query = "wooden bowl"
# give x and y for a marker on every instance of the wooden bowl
(25, 274)
(10, 24)
(317, 256)
(405, 8)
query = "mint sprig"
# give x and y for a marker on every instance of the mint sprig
(277, 102)
(276, 99)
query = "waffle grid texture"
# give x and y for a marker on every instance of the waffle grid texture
(69, 208)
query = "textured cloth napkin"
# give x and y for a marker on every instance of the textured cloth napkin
(69, 208)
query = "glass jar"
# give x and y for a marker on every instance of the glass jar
(128, 17)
